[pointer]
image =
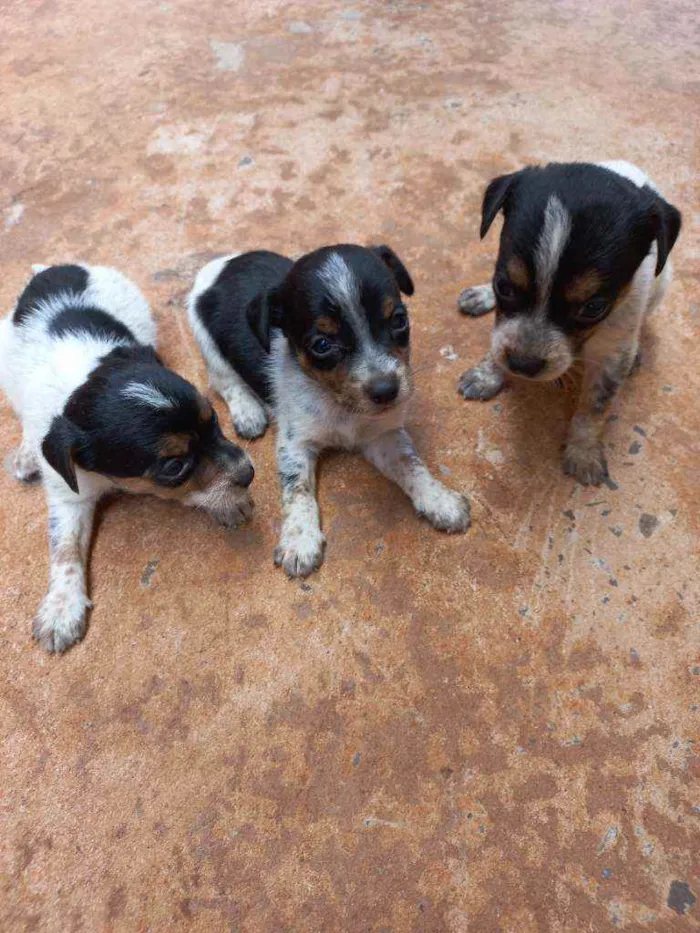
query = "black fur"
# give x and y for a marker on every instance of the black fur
(613, 225)
(260, 291)
(103, 431)
(93, 321)
(236, 311)
(47, 284)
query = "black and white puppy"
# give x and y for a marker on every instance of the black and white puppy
(324, 342)
(583, 258)
(101, 412)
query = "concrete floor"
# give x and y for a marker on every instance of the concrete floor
(472, 734)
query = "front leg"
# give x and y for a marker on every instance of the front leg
(300, 549)
(60, 621)
(394, 455)
(584, 457)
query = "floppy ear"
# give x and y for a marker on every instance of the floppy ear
(263, 313)
(59, 446)
(666, 222)
(494, 199)
(390, 259)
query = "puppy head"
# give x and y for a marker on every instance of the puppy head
(149, 431)
(573, 237)
(340, 308)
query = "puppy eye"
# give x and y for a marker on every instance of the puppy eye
(592, 310)
(399, 320)
(321, 347)
(172, 468)
(505, 290)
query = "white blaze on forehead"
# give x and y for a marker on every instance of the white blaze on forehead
(556, 230)
(337, 276)
(148, 394)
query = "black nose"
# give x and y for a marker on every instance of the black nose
(245, 474)
(525, 365)
(384, 389)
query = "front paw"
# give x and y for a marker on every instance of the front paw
(477, 301)
(586, 462)
(251, 424)
(234, 513)
(25, 466)
(300, 551)
(444, 509)
(61, 619)
(481, 383)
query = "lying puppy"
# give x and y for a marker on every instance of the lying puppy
(100, 412)
(583, 258)
(325, 342)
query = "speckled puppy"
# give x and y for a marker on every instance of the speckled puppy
(583, 258)
(323, 341)
(101, 412)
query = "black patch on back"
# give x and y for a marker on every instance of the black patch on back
(92, 321)
(223, 309)
(46, 284)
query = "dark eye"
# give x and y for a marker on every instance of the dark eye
(172, 468)
(399, 320)
(321, 347)
(504, 289)
(592, 310)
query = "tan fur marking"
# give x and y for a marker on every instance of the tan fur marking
(327, 325)
(583, 287)
(174, 445)
(388, 307)
(517, 270)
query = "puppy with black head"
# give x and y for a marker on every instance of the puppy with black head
(584, 257)
(323, 344)
(101, 412)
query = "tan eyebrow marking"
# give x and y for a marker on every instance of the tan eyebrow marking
(327, 325)
(583, 286)
(517, 270)
(388, 307)
(174, 445)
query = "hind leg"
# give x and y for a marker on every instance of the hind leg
(248, 413)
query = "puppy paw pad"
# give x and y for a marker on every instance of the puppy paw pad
(480, 385)
(447, 511)
(61, 620)
(586, 464)
(300, 555)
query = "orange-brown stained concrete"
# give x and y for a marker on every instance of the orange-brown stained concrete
(495, 732)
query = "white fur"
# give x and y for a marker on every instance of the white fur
(147, 394)
(38, 373)
(556, 229)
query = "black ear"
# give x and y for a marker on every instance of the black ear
(264, 313)
(58, 447)
(390, 259)
(666, 221)
(494, 199)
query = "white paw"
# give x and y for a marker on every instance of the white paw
(477, 301)
(232, 510)
(249, 417)
(481, 383)
(61, 618)
(25, 466)
(300, 551)
(444, 509)
(586, 462)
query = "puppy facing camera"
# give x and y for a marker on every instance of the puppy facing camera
(323, 345)
(101, 412)
(583, 258)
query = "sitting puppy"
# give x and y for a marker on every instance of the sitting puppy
(583, 258)
(325, 342)
(100, 412)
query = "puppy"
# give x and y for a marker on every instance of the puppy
(101, 412)
(324, 342)
(583, 258)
